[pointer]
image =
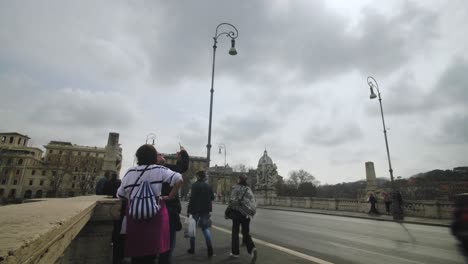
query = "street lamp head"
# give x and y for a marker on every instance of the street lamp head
(232, 50)
(372, 94)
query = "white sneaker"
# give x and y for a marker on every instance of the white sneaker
(253, 255)
(233, 255)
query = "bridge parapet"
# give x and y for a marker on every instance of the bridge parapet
(68, 230)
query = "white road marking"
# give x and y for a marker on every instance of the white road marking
(280, 248)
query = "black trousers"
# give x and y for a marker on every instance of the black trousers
(143, 260)
(238, 221)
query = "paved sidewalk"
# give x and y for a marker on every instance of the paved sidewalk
(408, 219)
(222, 248)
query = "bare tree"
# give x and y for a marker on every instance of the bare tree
(299, 177)
(61, 166)
(86, 183)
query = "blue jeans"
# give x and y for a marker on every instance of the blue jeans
(203, 221)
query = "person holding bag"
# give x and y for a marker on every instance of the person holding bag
(241, 209)
(146, 222)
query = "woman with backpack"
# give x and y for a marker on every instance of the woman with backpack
(146, 222)
(243, 207)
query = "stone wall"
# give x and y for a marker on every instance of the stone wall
(427, 209)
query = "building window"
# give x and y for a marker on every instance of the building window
(9, 161)
(3, 181)
(11, 140)
(54, 173)
(87, 154)
(52, 183)
(51, 151)
(76, 169)
(33, 172)
(41, 182)
(20, 162)
(73, 185)
(24, 143)
(19, 141)
(30, 182)
(43, 173)
(60, 152)
(15, 182)
(18, 172)
(5, 172)
(79, 153)
(74, 177)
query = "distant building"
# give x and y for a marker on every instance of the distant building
(65, 169)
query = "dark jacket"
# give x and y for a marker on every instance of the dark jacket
(111, 187)
(100, 185)
(200, 198)
(173, 206)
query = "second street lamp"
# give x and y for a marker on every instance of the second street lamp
(397, 211)
(233, 33)
(150, 136)
(223, 147)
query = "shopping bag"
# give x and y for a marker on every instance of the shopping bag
(190, 227)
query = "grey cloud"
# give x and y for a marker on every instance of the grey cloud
(308, 39)
(246, 128)
(405, 97)
(452, 89)
(333, 134)
(455, 130)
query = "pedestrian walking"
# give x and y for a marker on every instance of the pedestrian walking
(388, 201)
(174, 207)
(200, 207)
(101, 183)
(243, 206)
(373, 201)
(112, 185)
(147, 226)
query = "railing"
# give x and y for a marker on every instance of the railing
(427, 209)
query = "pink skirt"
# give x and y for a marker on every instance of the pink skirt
(149, 237)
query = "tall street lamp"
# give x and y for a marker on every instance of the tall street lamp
(397, 211)
(223, 147)
(232, 51)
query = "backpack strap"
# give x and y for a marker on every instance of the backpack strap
(242, 198)
(130, 195)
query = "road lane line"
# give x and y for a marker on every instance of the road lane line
(280, 248)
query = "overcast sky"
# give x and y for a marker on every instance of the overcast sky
(77, 70)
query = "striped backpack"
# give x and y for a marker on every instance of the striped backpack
(145, 204)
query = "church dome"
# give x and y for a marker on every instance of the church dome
(265, 159)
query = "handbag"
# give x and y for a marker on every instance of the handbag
(230, 211)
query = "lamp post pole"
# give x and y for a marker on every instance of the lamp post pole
(397, 212)
(232, 51)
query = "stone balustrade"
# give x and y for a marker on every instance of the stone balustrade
(427, 209)
(61, 231)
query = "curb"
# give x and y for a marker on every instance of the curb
(356, 216)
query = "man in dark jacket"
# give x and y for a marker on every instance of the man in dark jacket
(173, 206)
(200, 208)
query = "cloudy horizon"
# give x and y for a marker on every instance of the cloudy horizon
(75, 71)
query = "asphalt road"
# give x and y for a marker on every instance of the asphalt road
(350, 240)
